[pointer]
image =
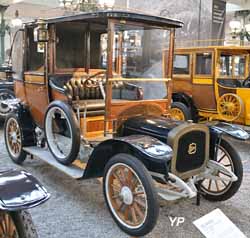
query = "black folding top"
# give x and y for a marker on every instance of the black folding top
(103, 16)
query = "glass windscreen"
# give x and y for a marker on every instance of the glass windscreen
(138, 57)
(232, 65)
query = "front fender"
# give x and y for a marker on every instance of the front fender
(229, 129)
(20, 190)
(154, 154)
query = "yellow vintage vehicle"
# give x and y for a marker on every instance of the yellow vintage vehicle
(212, 83)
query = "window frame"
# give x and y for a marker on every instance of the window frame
(212, 64)
(189, 68)
(233, 76)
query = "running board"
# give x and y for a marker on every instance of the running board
(72, 170)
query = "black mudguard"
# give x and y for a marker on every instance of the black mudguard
(27, 124)
(20, 190)
(136, 145)
(219, 129)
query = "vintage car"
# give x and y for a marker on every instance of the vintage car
(6, 89)
(212, 83)
(88, 103)
(19, 191)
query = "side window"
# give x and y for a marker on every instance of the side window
(181, 64)
(203, 64)
(98, 46)
(70, 45)
(35, 59)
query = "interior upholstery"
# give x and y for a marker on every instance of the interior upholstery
(87, 94)
(231, 83)
(76, 88)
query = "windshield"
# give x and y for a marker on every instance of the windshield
(232, 65)
(138, 57)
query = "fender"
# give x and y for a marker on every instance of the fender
(25, 119)
(20, 190)
(154, 154)
(229, 129)
(187, 100)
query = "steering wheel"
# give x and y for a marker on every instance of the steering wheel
(92, 81)
(246, 82)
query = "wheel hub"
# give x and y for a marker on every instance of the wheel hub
(13, 137)
(126, 195)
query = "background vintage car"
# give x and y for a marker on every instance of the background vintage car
(212, 83)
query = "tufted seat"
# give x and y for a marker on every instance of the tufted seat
(76, 89)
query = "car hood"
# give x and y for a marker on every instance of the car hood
(158, 127)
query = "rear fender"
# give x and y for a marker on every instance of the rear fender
(154, 154)
(187, 100)
(20, 190)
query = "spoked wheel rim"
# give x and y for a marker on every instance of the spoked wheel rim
(7, 226)
(59, 137)
(214, 187)
(4, 109)
(230, 106)
(177, 114)
(126, 196)
(14, 139)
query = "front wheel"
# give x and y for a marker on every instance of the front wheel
(215, 190)
(130, 195)
(17, 225)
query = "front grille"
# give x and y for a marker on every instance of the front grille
(190, 143)
(191, 152)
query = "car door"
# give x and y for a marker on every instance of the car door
(203, 80)
(36, 89)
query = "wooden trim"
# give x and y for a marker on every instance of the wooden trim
(140, 79)
(36, 79)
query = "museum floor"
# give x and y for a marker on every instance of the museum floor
(77, 208)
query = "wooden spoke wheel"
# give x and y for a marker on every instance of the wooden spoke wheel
(180, 112)
(127, 195)
(219, 190)
(130, 195)
(230, 106)
(14, 140)
(177, 114)
(7, 226)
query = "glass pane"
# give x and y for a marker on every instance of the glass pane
(98, 46)
(204, 64)
(239, 65)
(35, 59)
(181, 64)
(138, 54)
(70, 44)
(226, 67)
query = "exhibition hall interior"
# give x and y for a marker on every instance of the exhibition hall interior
(124, 118)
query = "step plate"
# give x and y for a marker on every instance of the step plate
(45, 155)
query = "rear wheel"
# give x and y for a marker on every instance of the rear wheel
(223, 190)
(17, 225)
(130, 195)
(179, 111)
(62, 132)
(13, 135)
